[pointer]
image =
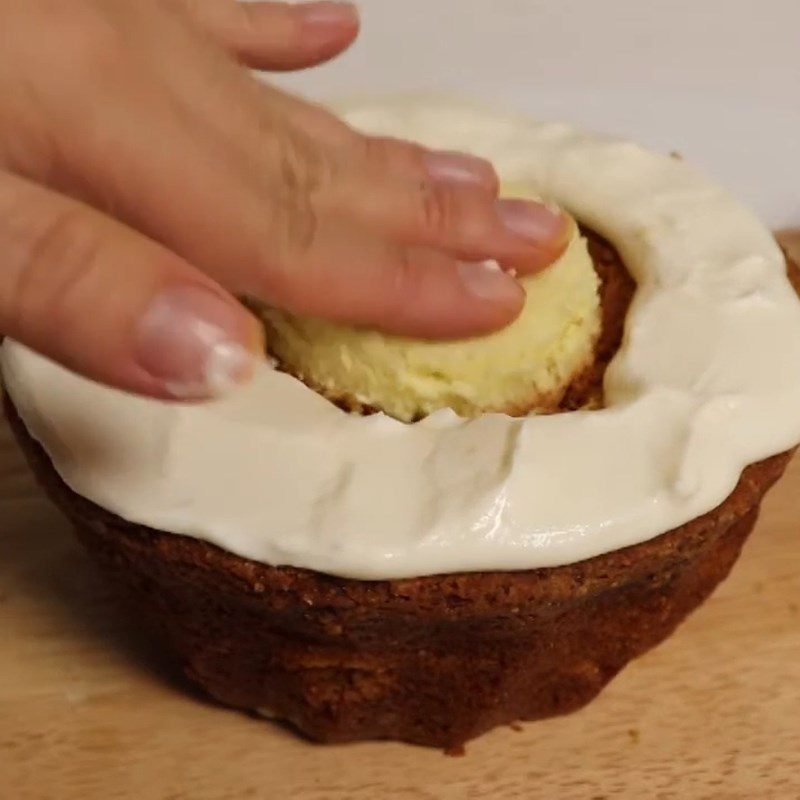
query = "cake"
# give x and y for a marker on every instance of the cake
(524, 368)
(362, 577)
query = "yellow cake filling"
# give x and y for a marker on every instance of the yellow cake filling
(524, 368)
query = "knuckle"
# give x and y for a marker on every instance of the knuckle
(404, 274)
(455, 214)
(384, 153)
(58, 257)
(303, 172)
(399, 301)
(438, 209)
(414, 267)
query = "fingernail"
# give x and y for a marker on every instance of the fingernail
(486, 280)
(536, 222)
(452, 167)
(196, 343)
(328, 13)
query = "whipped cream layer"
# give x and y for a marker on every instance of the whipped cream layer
(706, 382)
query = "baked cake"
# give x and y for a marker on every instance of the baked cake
(364, 577)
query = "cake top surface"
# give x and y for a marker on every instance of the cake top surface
(707, 380)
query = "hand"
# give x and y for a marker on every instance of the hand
(146, 178)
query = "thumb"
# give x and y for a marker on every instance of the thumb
(104, 301)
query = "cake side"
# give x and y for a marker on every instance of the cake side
(434, 660)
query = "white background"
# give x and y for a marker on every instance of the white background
(717, 80)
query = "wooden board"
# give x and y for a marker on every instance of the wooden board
(90, 710)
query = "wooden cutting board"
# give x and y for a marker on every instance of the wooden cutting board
(89, 710)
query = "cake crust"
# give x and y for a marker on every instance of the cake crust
(435, 660)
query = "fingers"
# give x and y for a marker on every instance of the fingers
(412, 163)
(236, 192)
(355, 276)
(279, 36)
(108, 303)
(464, 221)
(231, 183)
(448, 200)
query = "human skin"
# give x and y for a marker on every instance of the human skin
(147, 179)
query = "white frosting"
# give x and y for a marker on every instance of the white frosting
(706, 382)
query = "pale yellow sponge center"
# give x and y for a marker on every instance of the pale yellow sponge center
(524, 368)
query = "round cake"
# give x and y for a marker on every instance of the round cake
(366, 576)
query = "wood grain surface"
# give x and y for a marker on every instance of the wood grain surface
(88, 709)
